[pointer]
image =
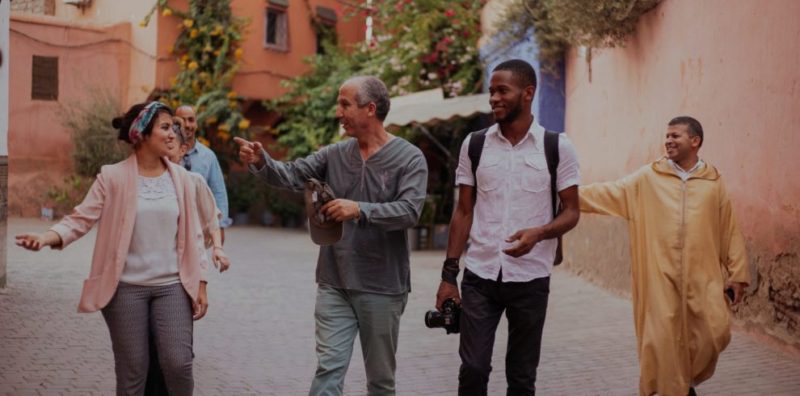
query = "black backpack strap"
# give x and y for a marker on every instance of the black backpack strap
(474, 151)
(553, 158)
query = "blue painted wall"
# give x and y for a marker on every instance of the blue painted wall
(550, 100)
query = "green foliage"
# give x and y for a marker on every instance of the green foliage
(286, 204)
(245, 191)
(95, 144)
(251, 195)
(95, 140)
(559, 24)
(308, 110)
(418, 45)
(208, 53)
(68, 195)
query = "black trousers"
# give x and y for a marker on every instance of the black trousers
(483, 302)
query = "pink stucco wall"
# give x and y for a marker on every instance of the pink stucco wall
(735, 66)
(39, 145)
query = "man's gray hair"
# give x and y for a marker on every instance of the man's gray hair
(371, 89)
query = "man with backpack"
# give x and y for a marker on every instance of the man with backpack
(511, 177)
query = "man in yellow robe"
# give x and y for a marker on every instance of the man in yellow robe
(686, 248)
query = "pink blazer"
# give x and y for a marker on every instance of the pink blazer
(111, 202)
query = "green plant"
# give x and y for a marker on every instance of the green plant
(417, 45)
(208, 53)
(94, 139)
(65, 197)
(285, 204)
(558, 24)
(426, 218)
(95, 144)
(245, 191)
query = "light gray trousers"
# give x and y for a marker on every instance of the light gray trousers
(136, 311)
(340, 315)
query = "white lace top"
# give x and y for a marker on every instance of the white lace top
(152, 257)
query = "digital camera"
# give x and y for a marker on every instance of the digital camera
(447, 318)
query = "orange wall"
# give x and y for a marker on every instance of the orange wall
(262, 69)
(39, 146)
(143, 39)
(735, 66)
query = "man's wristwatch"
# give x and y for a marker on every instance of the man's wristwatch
(450, 270)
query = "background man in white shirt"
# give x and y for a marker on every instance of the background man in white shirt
(513, 235)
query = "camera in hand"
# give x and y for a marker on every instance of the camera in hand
(447, 318)
(730, 294)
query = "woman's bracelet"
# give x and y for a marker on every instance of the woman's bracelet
(218, 247)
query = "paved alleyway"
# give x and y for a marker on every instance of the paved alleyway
(258, 337)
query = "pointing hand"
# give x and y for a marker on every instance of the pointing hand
(250, 152)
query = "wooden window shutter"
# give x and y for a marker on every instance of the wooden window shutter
(44, 84)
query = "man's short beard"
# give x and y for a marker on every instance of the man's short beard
(512, 115)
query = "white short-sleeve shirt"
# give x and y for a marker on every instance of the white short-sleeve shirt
(513, 193)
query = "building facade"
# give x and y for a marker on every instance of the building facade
(64, 52)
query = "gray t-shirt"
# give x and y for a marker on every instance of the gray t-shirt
(390, 188)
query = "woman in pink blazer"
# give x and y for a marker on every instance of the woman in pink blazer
(149, 265)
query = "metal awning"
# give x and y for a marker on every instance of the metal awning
(430, 107)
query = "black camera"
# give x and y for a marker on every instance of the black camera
(448, 318)
(730, 294)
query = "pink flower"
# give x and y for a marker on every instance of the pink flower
(449, 13)
(431, 58)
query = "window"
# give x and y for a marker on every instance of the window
(325, 28)
(276, 33)
(44, 84)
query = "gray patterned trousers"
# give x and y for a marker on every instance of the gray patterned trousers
(132, 315)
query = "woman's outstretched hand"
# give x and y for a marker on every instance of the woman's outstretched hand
(35, 242)
(31, 241)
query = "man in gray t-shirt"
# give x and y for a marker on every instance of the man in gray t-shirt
(364, 279)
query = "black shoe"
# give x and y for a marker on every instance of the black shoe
(691, 392)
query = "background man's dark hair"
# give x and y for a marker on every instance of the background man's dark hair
(692, 125)
(521, 70)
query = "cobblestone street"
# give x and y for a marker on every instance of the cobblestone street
(258, 337)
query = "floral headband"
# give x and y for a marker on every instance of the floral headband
(141, 120)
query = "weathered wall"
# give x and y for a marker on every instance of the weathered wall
(142, 40)
(735, 66)
(5, 13)
(38, 144)
(41, 7)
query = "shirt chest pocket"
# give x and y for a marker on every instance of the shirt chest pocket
(534, 178)
(490, 174)
(386, 181)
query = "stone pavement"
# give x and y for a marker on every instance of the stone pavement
(258, 338)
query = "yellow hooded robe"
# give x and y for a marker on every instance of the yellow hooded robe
(684, 238)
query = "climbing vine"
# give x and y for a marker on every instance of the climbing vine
(417, 45)
(208, 53)
(559, 24)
